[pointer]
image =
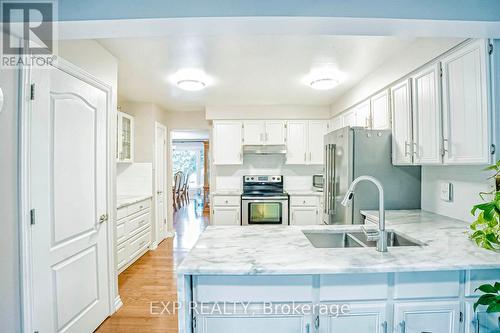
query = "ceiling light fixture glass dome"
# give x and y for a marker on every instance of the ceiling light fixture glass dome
(191, 85)
(324, 83)
(190, 79)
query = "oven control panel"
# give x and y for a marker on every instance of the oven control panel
(262, 179)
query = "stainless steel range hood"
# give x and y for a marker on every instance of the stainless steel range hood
(264, 149)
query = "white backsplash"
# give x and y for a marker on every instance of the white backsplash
(134, 179)
(296, 177)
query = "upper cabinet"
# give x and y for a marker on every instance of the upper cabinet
(465, 106)
(362, 114)
(296, 150)
(349, 118)
(380, 114)
(336, 123)
(305, 141)
(402, 123)
(427, 116)
(259, 132)
(125, 138)
(227, 147)
(448, 119)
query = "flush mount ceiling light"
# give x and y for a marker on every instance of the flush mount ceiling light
(191, 85)
(190, 79)
(324, 83)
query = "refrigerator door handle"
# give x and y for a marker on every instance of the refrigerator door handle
(326, 208)
(332, 186)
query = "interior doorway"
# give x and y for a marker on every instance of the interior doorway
(190, 184)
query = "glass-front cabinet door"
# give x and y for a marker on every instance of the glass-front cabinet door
(125, 139)
(265, 213)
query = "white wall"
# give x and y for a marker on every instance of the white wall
(419, 53)
(10, 301)
(467, 182)
(267, 112)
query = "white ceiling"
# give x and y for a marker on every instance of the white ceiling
(246, 70)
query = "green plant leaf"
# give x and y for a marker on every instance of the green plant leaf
(497, 286)
(487, 288)
(495, 307)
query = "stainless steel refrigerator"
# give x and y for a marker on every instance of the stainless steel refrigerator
(353, 152)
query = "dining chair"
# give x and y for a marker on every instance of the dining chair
(178, 176)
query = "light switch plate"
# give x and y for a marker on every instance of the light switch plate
(446, 191)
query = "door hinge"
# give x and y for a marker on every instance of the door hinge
(461, 317)
(32, 216)
(194, 322)
(493, 149)
(32, 92)
(490, 48)
(441, 71)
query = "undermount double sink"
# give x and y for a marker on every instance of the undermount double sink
(347, 239)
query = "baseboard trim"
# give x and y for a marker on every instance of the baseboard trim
(153, 246)
(170, 234)
(118, 303)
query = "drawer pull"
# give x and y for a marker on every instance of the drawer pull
(141, 207)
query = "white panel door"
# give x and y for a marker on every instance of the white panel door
(226, 216)
(362, 318)
(349, 118)
(316, 132)
(429, 316)
(160, 182)
(227, 142)
(401, 123)
(465, 106)
(363, 115)
(381, 117)
(296, 152)
(254, 132)
(69, 196)
(275, 132)
(427, 116)
(304, 215)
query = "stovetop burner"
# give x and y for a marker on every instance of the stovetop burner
(265, 186)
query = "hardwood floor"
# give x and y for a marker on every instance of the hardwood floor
(152, 279)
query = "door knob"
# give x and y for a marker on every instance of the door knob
(103, 218)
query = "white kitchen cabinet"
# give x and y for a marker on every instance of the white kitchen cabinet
(466, 134)
(125, 138)
(361, 318)
(316, 131)
(296, 152)
(133, 233)
(275, 132)
(427, 116)
(226, 215)
(428, 316)
(401, 123)
(363, 114)
(227, 147)
(336, 123)
(349, 118)
(305, 210)
(260, 132)
(253, 132)
(226, 210)
(380, 114)
(480, 321)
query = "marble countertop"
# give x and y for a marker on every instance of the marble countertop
(127, 200)
(263, 250)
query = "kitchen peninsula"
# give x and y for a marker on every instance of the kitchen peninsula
(384, 291)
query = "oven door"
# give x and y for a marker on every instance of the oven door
(264, 211)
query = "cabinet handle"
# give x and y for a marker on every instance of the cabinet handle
(103, 218)
(384, 327)
(407, 150)
(402, 327)
(305, 157)
(415, 148)
(446, 146)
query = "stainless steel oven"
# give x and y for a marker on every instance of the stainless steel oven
(263, 201)
(257, 210)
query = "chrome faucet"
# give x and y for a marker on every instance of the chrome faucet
(381, 235)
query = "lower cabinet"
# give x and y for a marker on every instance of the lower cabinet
(361, 318)
(253, 324)
(305, 210)
(427, 316)
(480, 321)
(226, 210)
(133, 233)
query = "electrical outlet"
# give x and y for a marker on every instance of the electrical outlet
(446, 192)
